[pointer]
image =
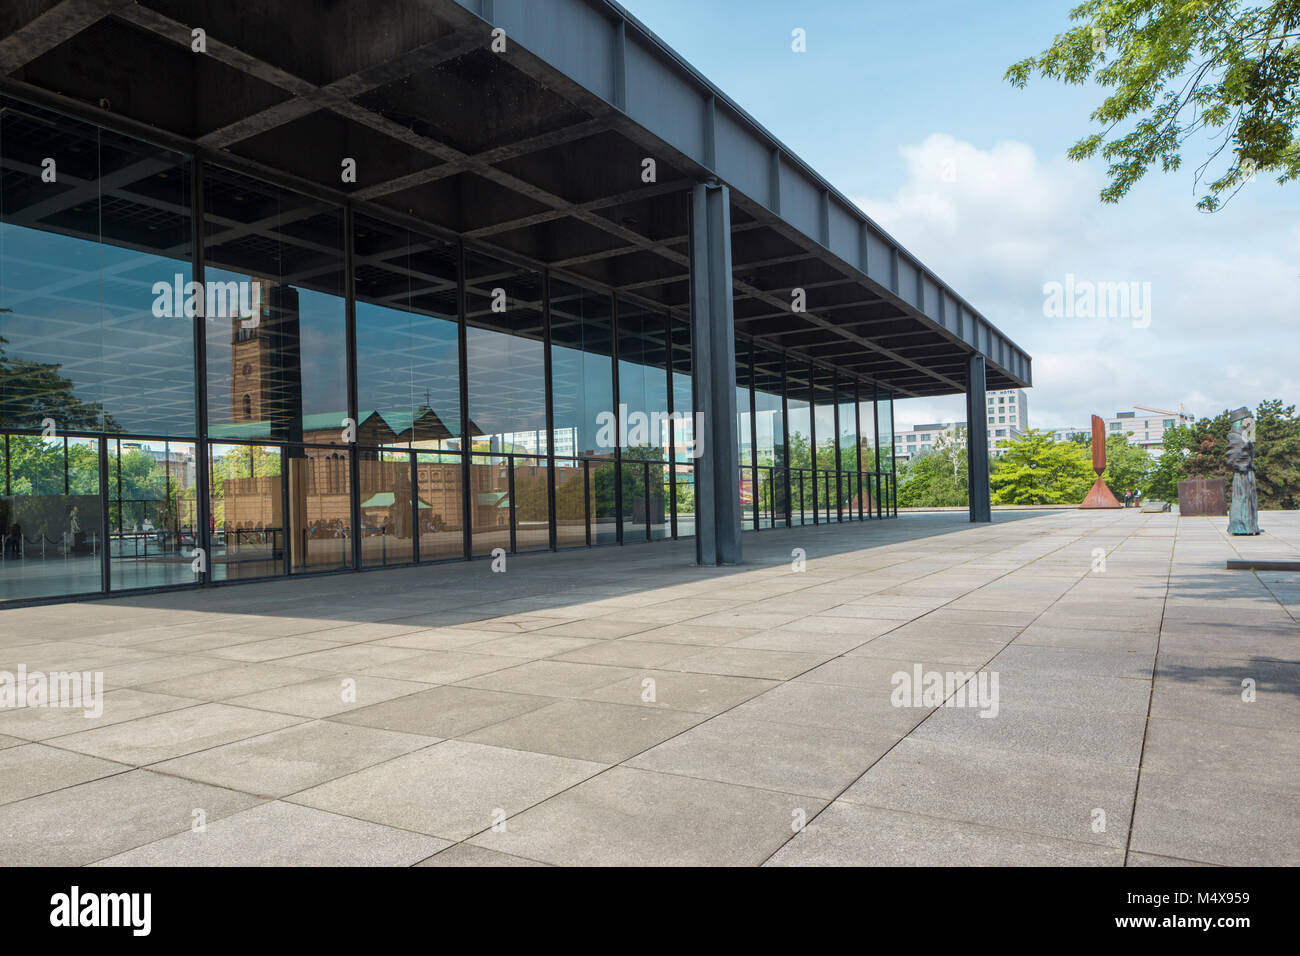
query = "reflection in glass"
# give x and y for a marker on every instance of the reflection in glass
(318, 486)
(683, 478)
(506, 366)
(388, 517)
(570, 503)
(799, 410)
(247, 497)
(602, 508)
(532, 514)
(276, 335)
(439, 485)
(85, 340)
(51, 518)
(867, 449)
(769, 422)
(850, 480)
(744, 435)
(153, 517)
(582, 371)
(408, 371)
(490, 496)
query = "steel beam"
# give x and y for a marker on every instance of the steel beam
(713, 338)
(977, 441)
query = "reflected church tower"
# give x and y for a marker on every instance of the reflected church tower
(266, 363)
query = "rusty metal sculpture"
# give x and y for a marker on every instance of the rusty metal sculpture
(1099, 496)
(1243, 518)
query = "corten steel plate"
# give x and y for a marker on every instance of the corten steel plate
(1204, 496)
(1100, 496)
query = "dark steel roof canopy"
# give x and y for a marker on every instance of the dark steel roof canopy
(537, 151)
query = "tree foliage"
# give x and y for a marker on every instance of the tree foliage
(31, 392)
(937, 478)
(1198, 452)
(1218, 75)
(1036, 470)
(1127, 466)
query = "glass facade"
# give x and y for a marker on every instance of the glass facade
(312, 389)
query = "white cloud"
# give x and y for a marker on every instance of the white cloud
(999, 223)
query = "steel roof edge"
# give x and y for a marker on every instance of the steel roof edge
(615, 12)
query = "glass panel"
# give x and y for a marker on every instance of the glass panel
(885, 418)
(660, 489)
(408, 369)
(744, 435)
(847, 417)
(387, 521)
(800, 426)
(247, 511)
(275, 278)
(602, 507)
(683, 426)
(152, 514)
(439, 484)
(532, 512)
(570, 503)
(643, 382)
(582, 371)
(744, 380)
(490, 498)
(867, 448)
(51, 518)
(91, 268)
(320, 509)
(824, 398)
(507, 381)
(684, 490)
(635, 511)
(770, 426)
(885, 428)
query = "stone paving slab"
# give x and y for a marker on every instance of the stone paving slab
(623, 706)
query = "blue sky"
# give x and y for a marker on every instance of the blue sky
(903, 107)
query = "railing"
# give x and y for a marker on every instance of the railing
(14, 547)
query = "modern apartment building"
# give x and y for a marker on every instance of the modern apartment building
(1143, 426)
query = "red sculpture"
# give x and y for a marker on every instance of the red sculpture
(1099, 496)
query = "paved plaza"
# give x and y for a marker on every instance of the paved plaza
(623, 706)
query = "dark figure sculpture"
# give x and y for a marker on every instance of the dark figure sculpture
(1243, 516)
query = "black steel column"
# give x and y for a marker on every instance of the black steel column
(875, 426)
(669, 354)
(839, 461)
(202, 455)
(350, 318)
(753, 437)
(812, 433)
(618, 420)
(713, 338)
(785, 440)
(977, 441)
(857, 442)
(105, 520)
(552, 533)
(462, 356)
(893, 462)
